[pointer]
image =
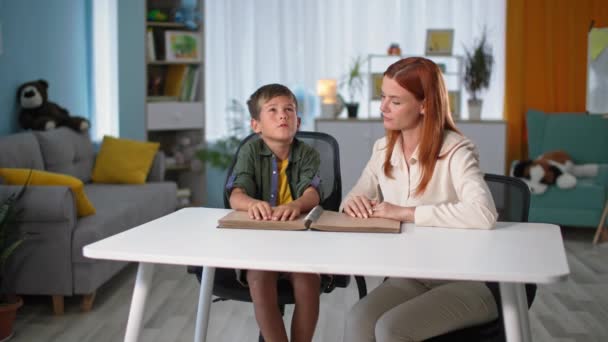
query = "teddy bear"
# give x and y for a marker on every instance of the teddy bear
(37, 113)
(551, 168)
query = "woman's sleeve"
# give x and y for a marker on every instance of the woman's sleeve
(366, 185)
(475, 207)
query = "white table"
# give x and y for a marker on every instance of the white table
(511, 254)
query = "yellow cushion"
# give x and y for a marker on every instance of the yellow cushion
(39, 177)
(123, 161)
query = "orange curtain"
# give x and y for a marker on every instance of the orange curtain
(546, 57)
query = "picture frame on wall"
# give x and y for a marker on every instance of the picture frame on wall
(376, 86)
(454, 99)
(439, 42)
(182, 46)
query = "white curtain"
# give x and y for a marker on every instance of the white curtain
(105, 69)
(297, 42)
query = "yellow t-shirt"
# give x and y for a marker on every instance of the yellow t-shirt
(284, 191)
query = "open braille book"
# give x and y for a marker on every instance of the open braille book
(316, 219)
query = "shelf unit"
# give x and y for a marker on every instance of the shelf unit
(453, 72)
(175, 114)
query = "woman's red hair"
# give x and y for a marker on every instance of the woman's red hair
(423, 79)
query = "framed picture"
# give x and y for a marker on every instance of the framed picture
(439, 42)
(376, 85)
(183, 46)
(454, 98)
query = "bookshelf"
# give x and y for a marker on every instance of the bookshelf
(452, 69)
(175, 114)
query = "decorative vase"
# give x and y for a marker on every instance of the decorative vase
(8, 312)
(352, 109)
(475, 109)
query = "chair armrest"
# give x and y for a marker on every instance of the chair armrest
(43, 203)
(602, 175)
(157, 170)
(361, 286)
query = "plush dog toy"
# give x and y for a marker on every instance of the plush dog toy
(38, 113)
(551, 168)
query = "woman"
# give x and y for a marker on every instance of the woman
(428, 173)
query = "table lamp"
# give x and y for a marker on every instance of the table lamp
(327, 91)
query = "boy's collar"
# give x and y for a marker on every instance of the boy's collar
(265, 150)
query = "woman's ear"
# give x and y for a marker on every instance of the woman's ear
(422, 108)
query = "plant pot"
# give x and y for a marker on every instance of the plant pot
(352, 109)
(475, 109)
(8, 312)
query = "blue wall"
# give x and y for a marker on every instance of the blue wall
(132, 69)
(49, 40)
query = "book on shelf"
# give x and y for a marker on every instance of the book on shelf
(150, 46)
(175, 79)
(316, 219)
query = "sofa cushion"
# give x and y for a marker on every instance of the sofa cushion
(124, 161)
(121, 207)
(586, 195)
(68, 152)
(38, 177)
(21, 151)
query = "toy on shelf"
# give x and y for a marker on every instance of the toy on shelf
(188, 15)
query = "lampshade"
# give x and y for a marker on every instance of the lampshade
(327, 89)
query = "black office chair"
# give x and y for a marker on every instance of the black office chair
(225, 285)
(512, 199)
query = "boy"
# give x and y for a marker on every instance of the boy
(276, 178)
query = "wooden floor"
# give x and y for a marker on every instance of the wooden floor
(575, 310)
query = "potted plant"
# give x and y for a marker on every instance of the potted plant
(218, 155)
(353, 81)
(10, 239)
(478, 70)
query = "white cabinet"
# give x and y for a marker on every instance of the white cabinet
(175, 115)
(356, 139)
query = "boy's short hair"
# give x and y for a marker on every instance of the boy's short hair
(264, 94)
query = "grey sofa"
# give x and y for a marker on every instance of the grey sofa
(50, 261)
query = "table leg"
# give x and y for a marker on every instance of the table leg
(143, 282)
(524, 317)
(204, 304)
(515, 312)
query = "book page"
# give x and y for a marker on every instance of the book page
(340, 222)
(241, 220)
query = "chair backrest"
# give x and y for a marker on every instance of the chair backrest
(511, 197)
(329, 151)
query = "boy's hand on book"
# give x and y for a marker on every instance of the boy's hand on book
(286, 212)
(359, 206)
(259, 210)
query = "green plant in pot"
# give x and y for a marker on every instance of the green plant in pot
(353, 81)
(217, 155)
(10, 239)
(478, 71)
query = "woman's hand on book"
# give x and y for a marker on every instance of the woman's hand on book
(359, 206)
(286, 212)
(394, 212)
(259, 210)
